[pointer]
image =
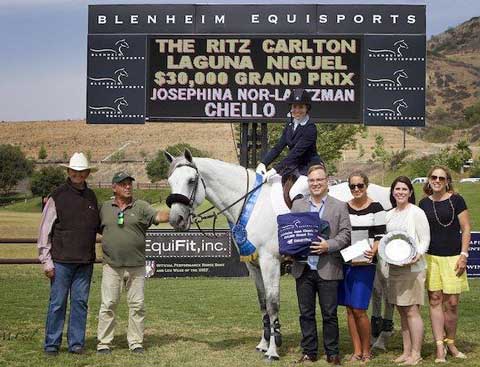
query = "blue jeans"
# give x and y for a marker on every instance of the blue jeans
(74, 279)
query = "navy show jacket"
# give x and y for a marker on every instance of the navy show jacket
(303, 149)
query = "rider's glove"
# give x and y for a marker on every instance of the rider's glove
(271, 172)
(261, 169)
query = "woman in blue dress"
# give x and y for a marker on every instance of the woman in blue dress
(300, 136)
(354, 291)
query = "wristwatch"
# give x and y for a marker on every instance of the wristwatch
(464, 254)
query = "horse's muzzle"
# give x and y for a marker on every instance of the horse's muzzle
(180, 218)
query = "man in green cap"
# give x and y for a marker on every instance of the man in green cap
(124, 223)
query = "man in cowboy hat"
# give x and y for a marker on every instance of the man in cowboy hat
(66, 247)
(124, 223)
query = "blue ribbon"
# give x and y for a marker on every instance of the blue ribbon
(239, 230)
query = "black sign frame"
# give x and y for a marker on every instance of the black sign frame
(391, 89)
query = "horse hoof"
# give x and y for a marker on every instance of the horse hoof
(271, 358)
(260, 350)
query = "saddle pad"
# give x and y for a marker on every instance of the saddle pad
(276, 193)
(276, 196)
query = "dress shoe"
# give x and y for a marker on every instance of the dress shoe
(51, 353)
(138, 350)
(104, 351)
(335, 360)
(77, 350)
(306, 359)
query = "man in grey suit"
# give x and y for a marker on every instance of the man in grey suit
(321, 272)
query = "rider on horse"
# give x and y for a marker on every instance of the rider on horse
(300, 135)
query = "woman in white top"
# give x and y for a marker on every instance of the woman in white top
(406, 284)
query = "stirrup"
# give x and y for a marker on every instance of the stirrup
(459, 355)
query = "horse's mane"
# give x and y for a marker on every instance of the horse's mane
(182, 160)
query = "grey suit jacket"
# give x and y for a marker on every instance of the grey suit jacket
(330, 264)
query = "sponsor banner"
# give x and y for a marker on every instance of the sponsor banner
(224, 63)
(190, 254)
(473, 264)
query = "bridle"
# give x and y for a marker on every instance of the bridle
(189, 201)
(182, 199)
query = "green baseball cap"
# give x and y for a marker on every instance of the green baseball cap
(120, 176)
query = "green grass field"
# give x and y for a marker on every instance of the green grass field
(190, 322)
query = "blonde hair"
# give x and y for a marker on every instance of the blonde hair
(449, 185)
(315, 167)
(361, 174)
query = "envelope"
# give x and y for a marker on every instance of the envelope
(355, 251)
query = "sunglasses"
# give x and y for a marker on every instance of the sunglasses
(440, 178)
(120, 218)
(360, 186)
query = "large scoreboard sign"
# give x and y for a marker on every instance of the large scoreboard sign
(223, 63)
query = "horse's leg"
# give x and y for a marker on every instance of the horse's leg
(270, 266)
(256, 274)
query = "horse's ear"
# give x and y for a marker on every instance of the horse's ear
(168, 156)
(188, 155)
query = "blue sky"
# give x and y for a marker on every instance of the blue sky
(44, 59)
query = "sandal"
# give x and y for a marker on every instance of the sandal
(459, 355)
(367, 358)
(353, 358)
(441, 360)
(400, 359)
(413, 363)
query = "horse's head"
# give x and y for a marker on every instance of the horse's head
(400, 44)
(121, 44)
(120, 101)
(400, 103)
(400, 74)
(187, 190)
(120, 73)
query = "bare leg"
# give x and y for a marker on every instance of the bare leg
(450, 302)
(363, 327)
(415, 327)
(438, 321)
(354, 333)
(407, 343)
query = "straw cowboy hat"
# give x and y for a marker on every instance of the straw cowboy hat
(78, 162)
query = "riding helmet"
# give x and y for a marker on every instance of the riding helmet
(300, 96)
